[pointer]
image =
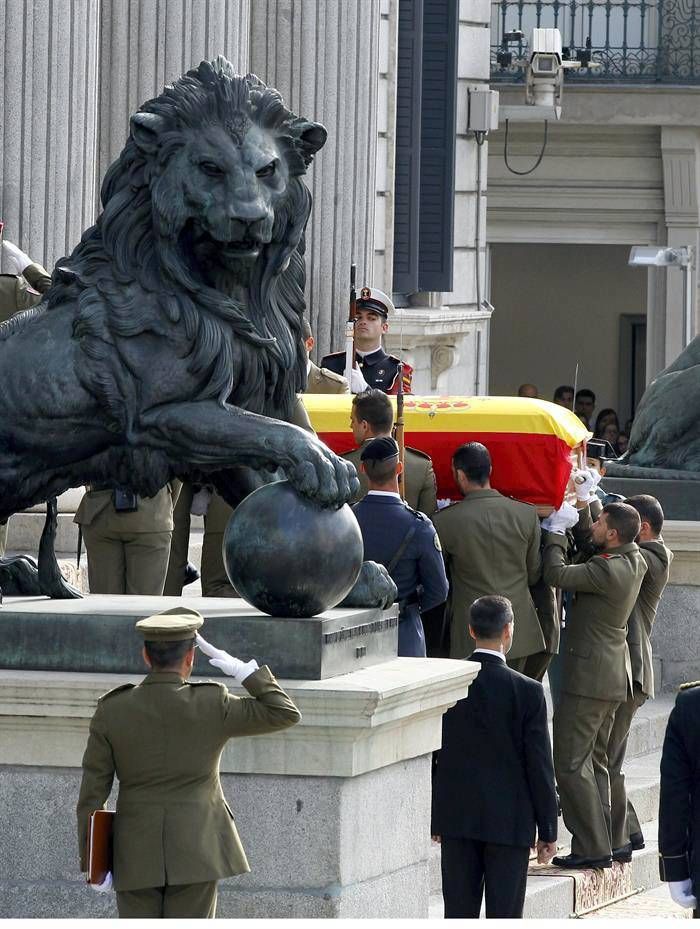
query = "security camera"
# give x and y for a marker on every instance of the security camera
(544, 72)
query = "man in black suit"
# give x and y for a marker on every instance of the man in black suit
(493, 778)
(679, 800)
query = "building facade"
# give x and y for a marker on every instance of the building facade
(76, 69)
(620, 168)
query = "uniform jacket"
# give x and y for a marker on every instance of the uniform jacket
(420, 484)
(420, 572)
(15, 294)
(154, 514)
(658, 561)
(323, 381)
(491, 546)
(493, 778)
(595, 658)
(679, 799)
(378, 368)
(163, 739)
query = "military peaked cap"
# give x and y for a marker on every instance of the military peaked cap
(371, 298)
(379, 449)
(174, 625)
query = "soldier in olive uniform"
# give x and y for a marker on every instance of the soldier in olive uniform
(127, 539)
(491, 546)
(626, 832)
(679, 800)
(596, 675)
(372, 417)
(320, 380)
(174, 834)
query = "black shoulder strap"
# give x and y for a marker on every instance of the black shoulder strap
(401, 549)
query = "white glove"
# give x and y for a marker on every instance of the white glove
(682, 893)
(584, 482)
(105, 886)
(561, 520)
(357, 382)
(200, 502)
(17, 259)
(233, 667)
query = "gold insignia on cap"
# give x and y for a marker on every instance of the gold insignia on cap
(365, 293)
(173, 625)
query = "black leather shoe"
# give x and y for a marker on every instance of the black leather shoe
(191, 574)
(637, 842)
(623, 854)
(579, 861)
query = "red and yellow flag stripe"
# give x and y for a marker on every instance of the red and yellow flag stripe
(530, 441)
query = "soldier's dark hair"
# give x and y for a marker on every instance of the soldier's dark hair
(167, 654)
(373, 406)
(561, 390)
(474, 461)
(649, 510)
(585, 393)
(488, 616)
(306, 332)
(624, 519)
(381, 472)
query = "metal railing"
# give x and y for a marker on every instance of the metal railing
(635, 41)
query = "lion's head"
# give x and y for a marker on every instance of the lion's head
(205, 208)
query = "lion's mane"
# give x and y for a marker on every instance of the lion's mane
(129, 276)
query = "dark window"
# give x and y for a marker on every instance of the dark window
(425, 145)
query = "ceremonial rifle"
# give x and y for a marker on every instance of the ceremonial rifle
(399, 431)
(350, 328)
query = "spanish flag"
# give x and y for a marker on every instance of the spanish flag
(533, 443)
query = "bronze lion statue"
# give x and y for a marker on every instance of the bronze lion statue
(170, 341)
(665, 435)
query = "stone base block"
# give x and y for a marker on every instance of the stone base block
(679, 499)
(24, 532)
(674, 639)
(317, 847)
(97, 634)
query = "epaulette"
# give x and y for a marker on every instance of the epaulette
(417, 451)
(689, 684)
(206, 683)
(331, 375)
(608, 555)
(116, 690)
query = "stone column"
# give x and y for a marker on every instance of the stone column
(323, 58)
(146, 44)
(680, 148)
(48, 116)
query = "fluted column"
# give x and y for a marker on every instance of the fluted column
(146, 44)
(48, 119)
(323, 58)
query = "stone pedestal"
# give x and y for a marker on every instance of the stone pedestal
(680, 499)
(675, 641)
(334, 813)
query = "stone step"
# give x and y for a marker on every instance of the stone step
(655, 903)
(553, 896)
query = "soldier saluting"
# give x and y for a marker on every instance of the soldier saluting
(375, 367)
(174, 834)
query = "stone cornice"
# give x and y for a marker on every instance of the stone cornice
(351, 724)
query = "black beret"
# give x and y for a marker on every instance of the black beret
(379, 450)
(596, 449)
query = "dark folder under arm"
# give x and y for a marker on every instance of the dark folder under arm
(99, 846)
